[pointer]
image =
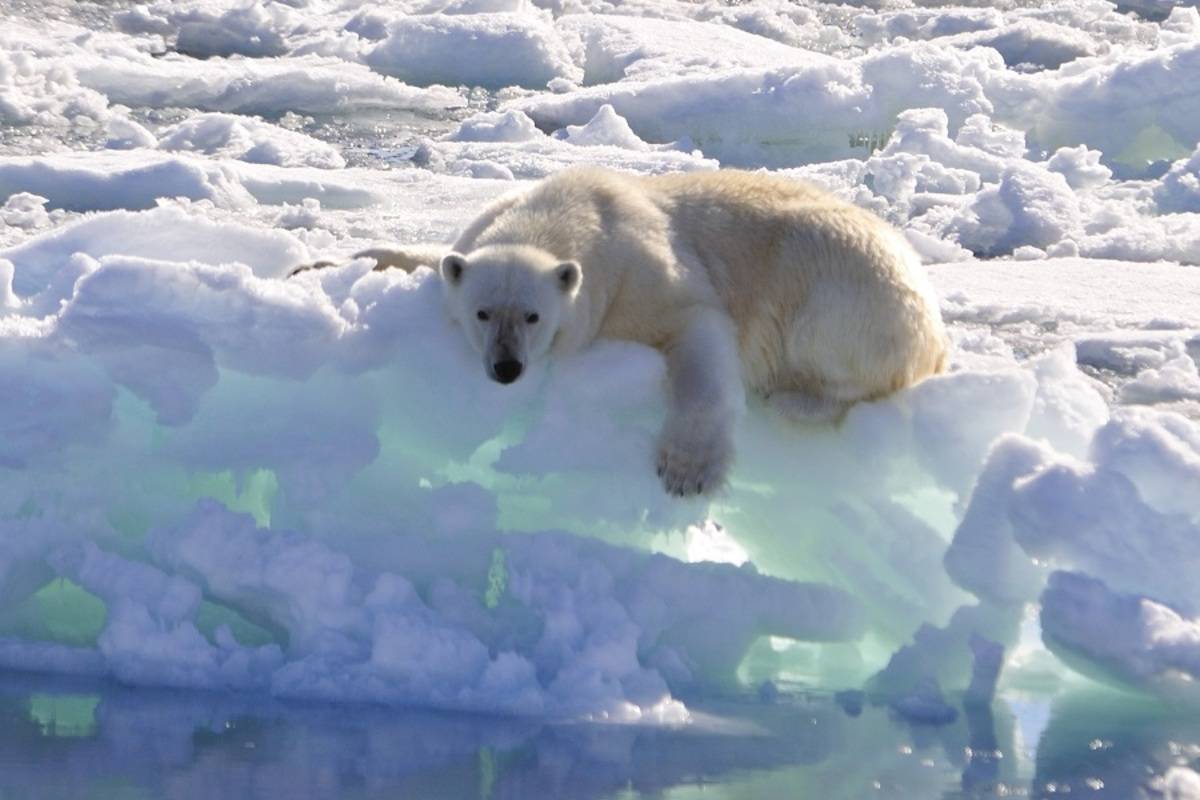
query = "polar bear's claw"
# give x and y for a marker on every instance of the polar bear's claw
(694, 459)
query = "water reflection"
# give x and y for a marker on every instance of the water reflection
(71, 739)
(1112, 746)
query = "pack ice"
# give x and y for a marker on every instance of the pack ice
(213, 476)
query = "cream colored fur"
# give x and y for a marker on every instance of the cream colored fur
(739, 278)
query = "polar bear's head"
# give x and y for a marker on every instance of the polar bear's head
(511, 301)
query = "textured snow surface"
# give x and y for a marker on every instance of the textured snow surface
(214, 476)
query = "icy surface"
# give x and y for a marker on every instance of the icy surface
(212, 476)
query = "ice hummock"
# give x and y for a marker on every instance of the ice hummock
(183, 436)
(214, 477)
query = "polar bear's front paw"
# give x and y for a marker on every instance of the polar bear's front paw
(694, 456)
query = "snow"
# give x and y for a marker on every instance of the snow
(1152, 297)
(1076, 107)
(1179, 190)
(55, 76)
(248, 139)
(307, 84)
(1123, 637)
(488, 50)
(1032, 43)
(780, 115)
(114, 180)
(185, 429)
(172, 231)
(35, 92)
(24, 210)
(613, 47)
(1080, 167)
(507, 126)
(606, 128)
(253, 29)
(508, 145)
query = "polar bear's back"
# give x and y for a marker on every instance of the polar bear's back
(756, 230)
(733, 187)
(827, 297)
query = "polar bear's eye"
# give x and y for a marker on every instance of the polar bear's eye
(481, 315)
(531, 318)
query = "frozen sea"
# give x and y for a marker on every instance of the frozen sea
(265, 536)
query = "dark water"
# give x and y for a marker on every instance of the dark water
(89, 739)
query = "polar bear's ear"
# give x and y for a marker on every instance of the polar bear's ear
(568, 274)
(453, 267)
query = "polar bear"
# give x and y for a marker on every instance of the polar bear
(742, 280)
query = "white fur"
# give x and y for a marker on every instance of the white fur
(739, 278)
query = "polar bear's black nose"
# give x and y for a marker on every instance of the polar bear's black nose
(508, 370)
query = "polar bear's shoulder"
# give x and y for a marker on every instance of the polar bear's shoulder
(568, 214)
(579, 185)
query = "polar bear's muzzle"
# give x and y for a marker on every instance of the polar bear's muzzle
(503, 356)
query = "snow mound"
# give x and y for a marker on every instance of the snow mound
(252, 29)
(926, 23)
(612, 47)
(783, 115)
(307, 84)
(489, 50)
(1128, 638)
(1179, 190)
(65, 72)
(34, 91)
(976, 191)
(506, 126)
(507, 145)
(171, 232)
(1033, 43)
(248, 139)
(1101, 540)
(1077, 106)
(115, 180)
(606, 128)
